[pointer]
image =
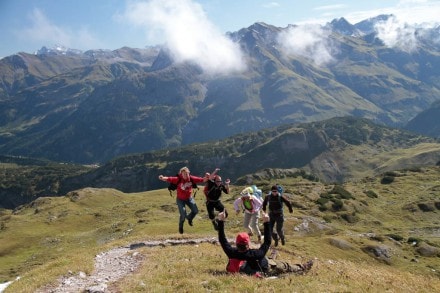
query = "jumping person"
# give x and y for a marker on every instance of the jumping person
(184, 182)
(213, 191)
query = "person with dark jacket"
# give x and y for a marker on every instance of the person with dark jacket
(184, 182)
(243, 259)
(255, 261)
(275, 200)
(213, 191)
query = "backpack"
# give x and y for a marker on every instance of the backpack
(257, 191)
(241, 266)
(280, 200)
(280, 189)
(172, 187)
(234, 265)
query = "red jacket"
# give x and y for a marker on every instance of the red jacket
(184, 188)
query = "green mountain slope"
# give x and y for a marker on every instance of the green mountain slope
(97, 105)
(334, 150)
(362, 230)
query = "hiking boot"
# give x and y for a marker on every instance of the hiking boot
(276, 242)
(307, 266)
(283, 242)
(181, 230)
(190, 222)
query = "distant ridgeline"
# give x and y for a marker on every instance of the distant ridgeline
(334, 150)
(91, 107)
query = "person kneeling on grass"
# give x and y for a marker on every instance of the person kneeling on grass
(243, 259)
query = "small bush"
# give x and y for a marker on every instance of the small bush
(387, 180)
(337, 205)
(322, 201)
(378, 238)
(395, 237)
(371, 194)
(323, 208)
(327, 219)
(338, 189)
(414, 240)
(350, 218)
(426, 207)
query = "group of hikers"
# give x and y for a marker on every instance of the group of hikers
(242, 258)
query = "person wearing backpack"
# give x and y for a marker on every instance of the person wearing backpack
(253, 261)
(184, 183)
(275, 201)
(213, 191)
(251, 206)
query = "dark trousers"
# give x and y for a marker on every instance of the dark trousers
(278, 221)
(214, 205)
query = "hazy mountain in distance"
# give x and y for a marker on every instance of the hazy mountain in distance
(92, 106)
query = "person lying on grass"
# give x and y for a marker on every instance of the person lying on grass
(246, 260)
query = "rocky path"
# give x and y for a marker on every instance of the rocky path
(111, 266)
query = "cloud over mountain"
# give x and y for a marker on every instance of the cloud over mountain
(188, 33)
(310, 41)
(397, 34)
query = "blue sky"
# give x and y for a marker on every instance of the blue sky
(27, 25)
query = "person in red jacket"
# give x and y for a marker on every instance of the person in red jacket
(184, 182)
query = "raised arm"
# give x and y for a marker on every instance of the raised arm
(212, 175)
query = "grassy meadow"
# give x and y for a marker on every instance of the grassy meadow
(341, 227)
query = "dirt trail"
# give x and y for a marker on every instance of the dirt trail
(111, 266)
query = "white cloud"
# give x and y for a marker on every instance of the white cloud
(186, 30)
(397, 34)
(309, 40)
(46, 33)
(42, 30)
(409, 11)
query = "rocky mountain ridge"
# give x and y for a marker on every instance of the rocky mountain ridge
(95, 106)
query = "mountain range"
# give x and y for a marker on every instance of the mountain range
(332, 150)
(90, 107)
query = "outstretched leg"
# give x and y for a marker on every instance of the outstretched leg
(182, 214)
(246, 222)
(282, 267)
(191, 203)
